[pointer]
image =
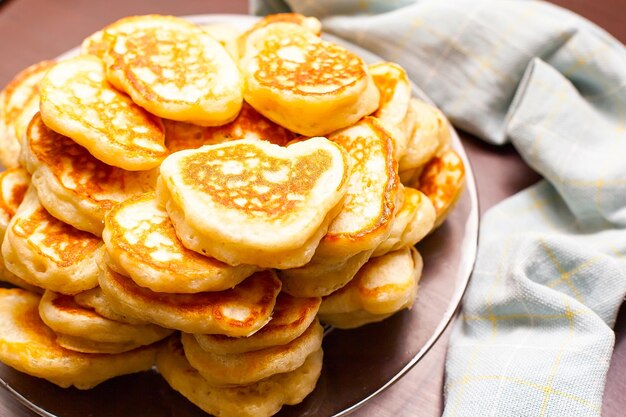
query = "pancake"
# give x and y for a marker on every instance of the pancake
(413, 222)
(395, 96)
(173, 69)
(261, 399)
(28, 345)
(442, 181)
(141, 243)
(227, 35)
(78, 325)
(19, 101)
(237, 312)
(248, 124)
(290, 318)
(73, 185)
(318, 278)
(430, 134)
(95, 300)
(308, 85)
(78, 102)
(94, 44)
(48, 253)
(253, 202)
(249, 367)
(384, 286)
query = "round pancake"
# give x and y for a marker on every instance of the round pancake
(317, 279)
(173, 69)
(74, 186)
(308, 85)
(290, 318)
(48, 253)
(141, 243)
(237, 312)
(28, 345)
(249, 367)
(95, 300)
(442, 181)
(430, 134)
(19, 101)
(412, 223)
(385, 285)
(78, 102)
(261, 399)
(63, 315)
(249, 124)
(395, 95)
(253, 202)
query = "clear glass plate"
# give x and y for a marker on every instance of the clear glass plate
(358, 364)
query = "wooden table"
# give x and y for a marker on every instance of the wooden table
(33, 30)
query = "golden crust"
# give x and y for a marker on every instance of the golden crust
(174, 69)
(249, 124)
(237, 312)
(78, 102)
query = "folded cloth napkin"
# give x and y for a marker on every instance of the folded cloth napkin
(534, 337)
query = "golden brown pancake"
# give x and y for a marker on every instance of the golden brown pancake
(229, 200)
(249, 367)
(89, 332)
(442, 181)
(430, 133)
(249, 124)
(395, 95)
(412, 223)
(19, 101)
(237, 312)
(291, 317)
(384, 286)
(48, 253)
(141, 243)
(308, 85)
(94, 299)
(261, 399)
(173, 69)
(28, 345)
(78, 102)
(73, 185)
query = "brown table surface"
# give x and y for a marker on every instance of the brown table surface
(33, 30)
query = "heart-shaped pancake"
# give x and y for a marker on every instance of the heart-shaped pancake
(173, 69)
(304, 83)
(78, 102)
(253, 202)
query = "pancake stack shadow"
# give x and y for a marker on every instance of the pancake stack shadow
(204, 199)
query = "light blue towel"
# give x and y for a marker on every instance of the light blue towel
(534, 337)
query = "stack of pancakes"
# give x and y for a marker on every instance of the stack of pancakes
(226, 190)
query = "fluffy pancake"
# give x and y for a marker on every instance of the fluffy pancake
(141, 243)
(237, 312)
(249, 124)
(308, 85)
(442, 181)
(173, 69)
(94, 299)
(290, 318)
(29, 346)
(62, 314)
(78, 102)
(73, 185)
(395, 95)
(249, 367)
(414, 221)
(19, 101)
(261, 399)
(430, 134)
(48, 253)
(253, 202)
(383, 286)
